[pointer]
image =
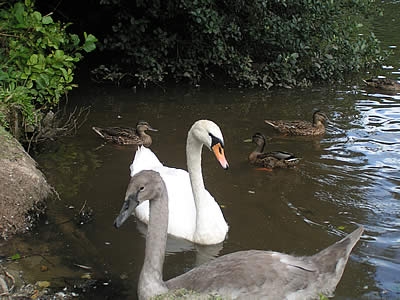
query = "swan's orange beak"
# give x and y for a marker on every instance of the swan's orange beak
(219, 154)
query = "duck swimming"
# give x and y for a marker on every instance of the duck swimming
(270, 160)
(127, 135)
(300, 127)
(383, 84)
(251, 274)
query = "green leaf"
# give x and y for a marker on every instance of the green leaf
(33, 60)
(4, 76)
(16, 256)
(37, 15)
(323, 297)
(45, 79)
(75, 39)
(59, 54)
(90, 43)
(19, 12)
(47, 20)
(90, 38)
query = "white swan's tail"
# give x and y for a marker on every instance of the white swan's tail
(144, 159)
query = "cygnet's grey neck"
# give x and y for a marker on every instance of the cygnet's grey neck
(151, 281)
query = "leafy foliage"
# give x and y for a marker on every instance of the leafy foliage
(37, 58)
(16, 256)
(253, 43)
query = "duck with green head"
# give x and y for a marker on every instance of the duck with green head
(270, 160)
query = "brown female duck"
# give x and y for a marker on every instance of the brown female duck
(270, 160)
(383, 84)
(300, 127)
(127, 135)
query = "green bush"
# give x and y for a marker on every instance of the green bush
(252, 43)
(37, 58)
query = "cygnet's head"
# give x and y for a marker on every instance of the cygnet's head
(145, 185)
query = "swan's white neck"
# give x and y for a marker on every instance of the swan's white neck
(193, 154)
(151, 281)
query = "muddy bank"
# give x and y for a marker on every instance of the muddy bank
(23, 188)
(60, 263)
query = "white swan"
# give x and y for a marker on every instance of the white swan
(193, 213)
(251, 274)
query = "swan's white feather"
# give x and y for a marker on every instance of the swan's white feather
(182, 209)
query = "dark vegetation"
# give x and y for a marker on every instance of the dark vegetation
(245, 43)
(276, 43)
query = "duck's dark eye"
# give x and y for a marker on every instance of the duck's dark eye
(141, 188)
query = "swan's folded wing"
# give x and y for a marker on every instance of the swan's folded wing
(144, 159)
(182, 211)
(247, 273)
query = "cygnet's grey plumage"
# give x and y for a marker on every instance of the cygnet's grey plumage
(252, 274)
(142, 186)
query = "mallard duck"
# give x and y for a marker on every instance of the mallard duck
(195, 214)
(251, 274)
(127, 135)
(270, 160)
(300, 127)
(383, 84)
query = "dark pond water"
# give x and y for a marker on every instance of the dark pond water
(348, 177)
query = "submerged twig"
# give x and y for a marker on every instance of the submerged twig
(4, 289)
(83, 267)
(83, 207)
(58, 124)
(12, 279)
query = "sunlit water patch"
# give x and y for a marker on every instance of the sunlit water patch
(376, 139)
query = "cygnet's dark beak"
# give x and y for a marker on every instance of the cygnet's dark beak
(127, 209)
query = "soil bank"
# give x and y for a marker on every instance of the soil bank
(23, 187)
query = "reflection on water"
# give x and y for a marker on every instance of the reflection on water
(349, 176)
(174, 245)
